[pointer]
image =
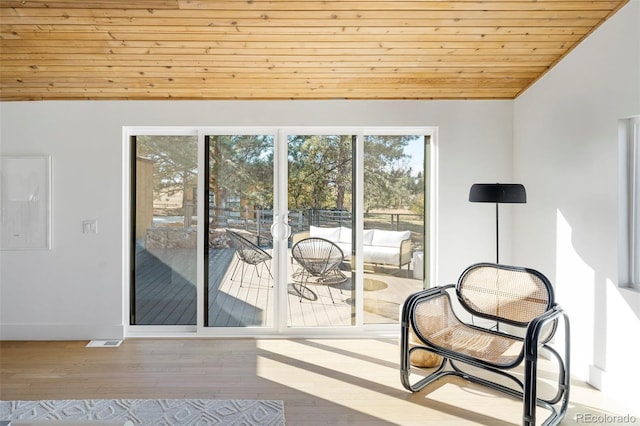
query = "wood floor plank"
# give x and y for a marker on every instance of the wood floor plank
(321, 381)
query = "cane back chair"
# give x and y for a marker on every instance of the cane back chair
(517, 304)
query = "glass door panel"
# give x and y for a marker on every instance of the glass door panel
(300, 230)
(321, 289)
(394, 223)
(164, 254)
(239, 283)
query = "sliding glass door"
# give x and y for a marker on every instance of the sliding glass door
(164, 232)
(278, 231)
(320, 196)
(394, 218)
(239, 282)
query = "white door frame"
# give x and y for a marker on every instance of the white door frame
(280, 328)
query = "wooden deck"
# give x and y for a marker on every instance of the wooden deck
(166, 293)
(165, 287)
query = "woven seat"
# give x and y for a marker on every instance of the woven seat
(320, 260)
(509, 298)
(448, 333)
(247, 253)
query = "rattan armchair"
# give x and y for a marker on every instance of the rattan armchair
(320, 260)
(514, 302)
(247, 253)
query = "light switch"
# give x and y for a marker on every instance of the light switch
(90, 226)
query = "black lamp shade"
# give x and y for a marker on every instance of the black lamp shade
(497, 193)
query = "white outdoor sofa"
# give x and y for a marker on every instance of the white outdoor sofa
(380, 247)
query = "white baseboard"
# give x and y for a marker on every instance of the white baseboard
(596, 377)
(61, 332)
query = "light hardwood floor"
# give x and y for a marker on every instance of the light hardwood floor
(321, 381)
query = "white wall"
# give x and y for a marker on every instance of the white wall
(565, 152)
(75, 290)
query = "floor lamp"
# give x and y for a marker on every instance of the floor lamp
(497, 193)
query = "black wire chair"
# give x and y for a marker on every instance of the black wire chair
(320, 260)
(247, 253)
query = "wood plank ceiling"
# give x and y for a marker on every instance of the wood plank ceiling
(286, 49)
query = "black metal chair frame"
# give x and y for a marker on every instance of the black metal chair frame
(320, 259)
(249, 253)
(539, 331)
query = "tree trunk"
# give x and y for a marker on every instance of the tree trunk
(342, 176)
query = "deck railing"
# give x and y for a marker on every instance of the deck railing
(259, 222)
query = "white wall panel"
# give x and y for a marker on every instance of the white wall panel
(76, 289)
(565, 152)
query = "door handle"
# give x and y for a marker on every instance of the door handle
(274, 230)
(287, 229)
(280, 230)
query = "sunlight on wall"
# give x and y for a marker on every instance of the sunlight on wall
(575, 292)
(620, 378)
(604, 322)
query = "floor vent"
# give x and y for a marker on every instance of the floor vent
(104, 343)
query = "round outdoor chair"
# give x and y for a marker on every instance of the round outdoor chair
(320, 260)
(249, 253)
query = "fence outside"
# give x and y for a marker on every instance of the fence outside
(259, 222)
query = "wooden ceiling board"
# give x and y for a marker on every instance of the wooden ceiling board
(281, 49)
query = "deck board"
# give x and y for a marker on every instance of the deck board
(166, 293)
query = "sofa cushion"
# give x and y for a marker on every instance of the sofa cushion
(346, 250)
(389, 238)
(367, 236)
(345, 235)
(331, 234)
(381, 254)
(379, 246)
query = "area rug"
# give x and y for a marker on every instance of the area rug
(162, 412)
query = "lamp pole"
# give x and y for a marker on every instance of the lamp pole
(497, 236)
